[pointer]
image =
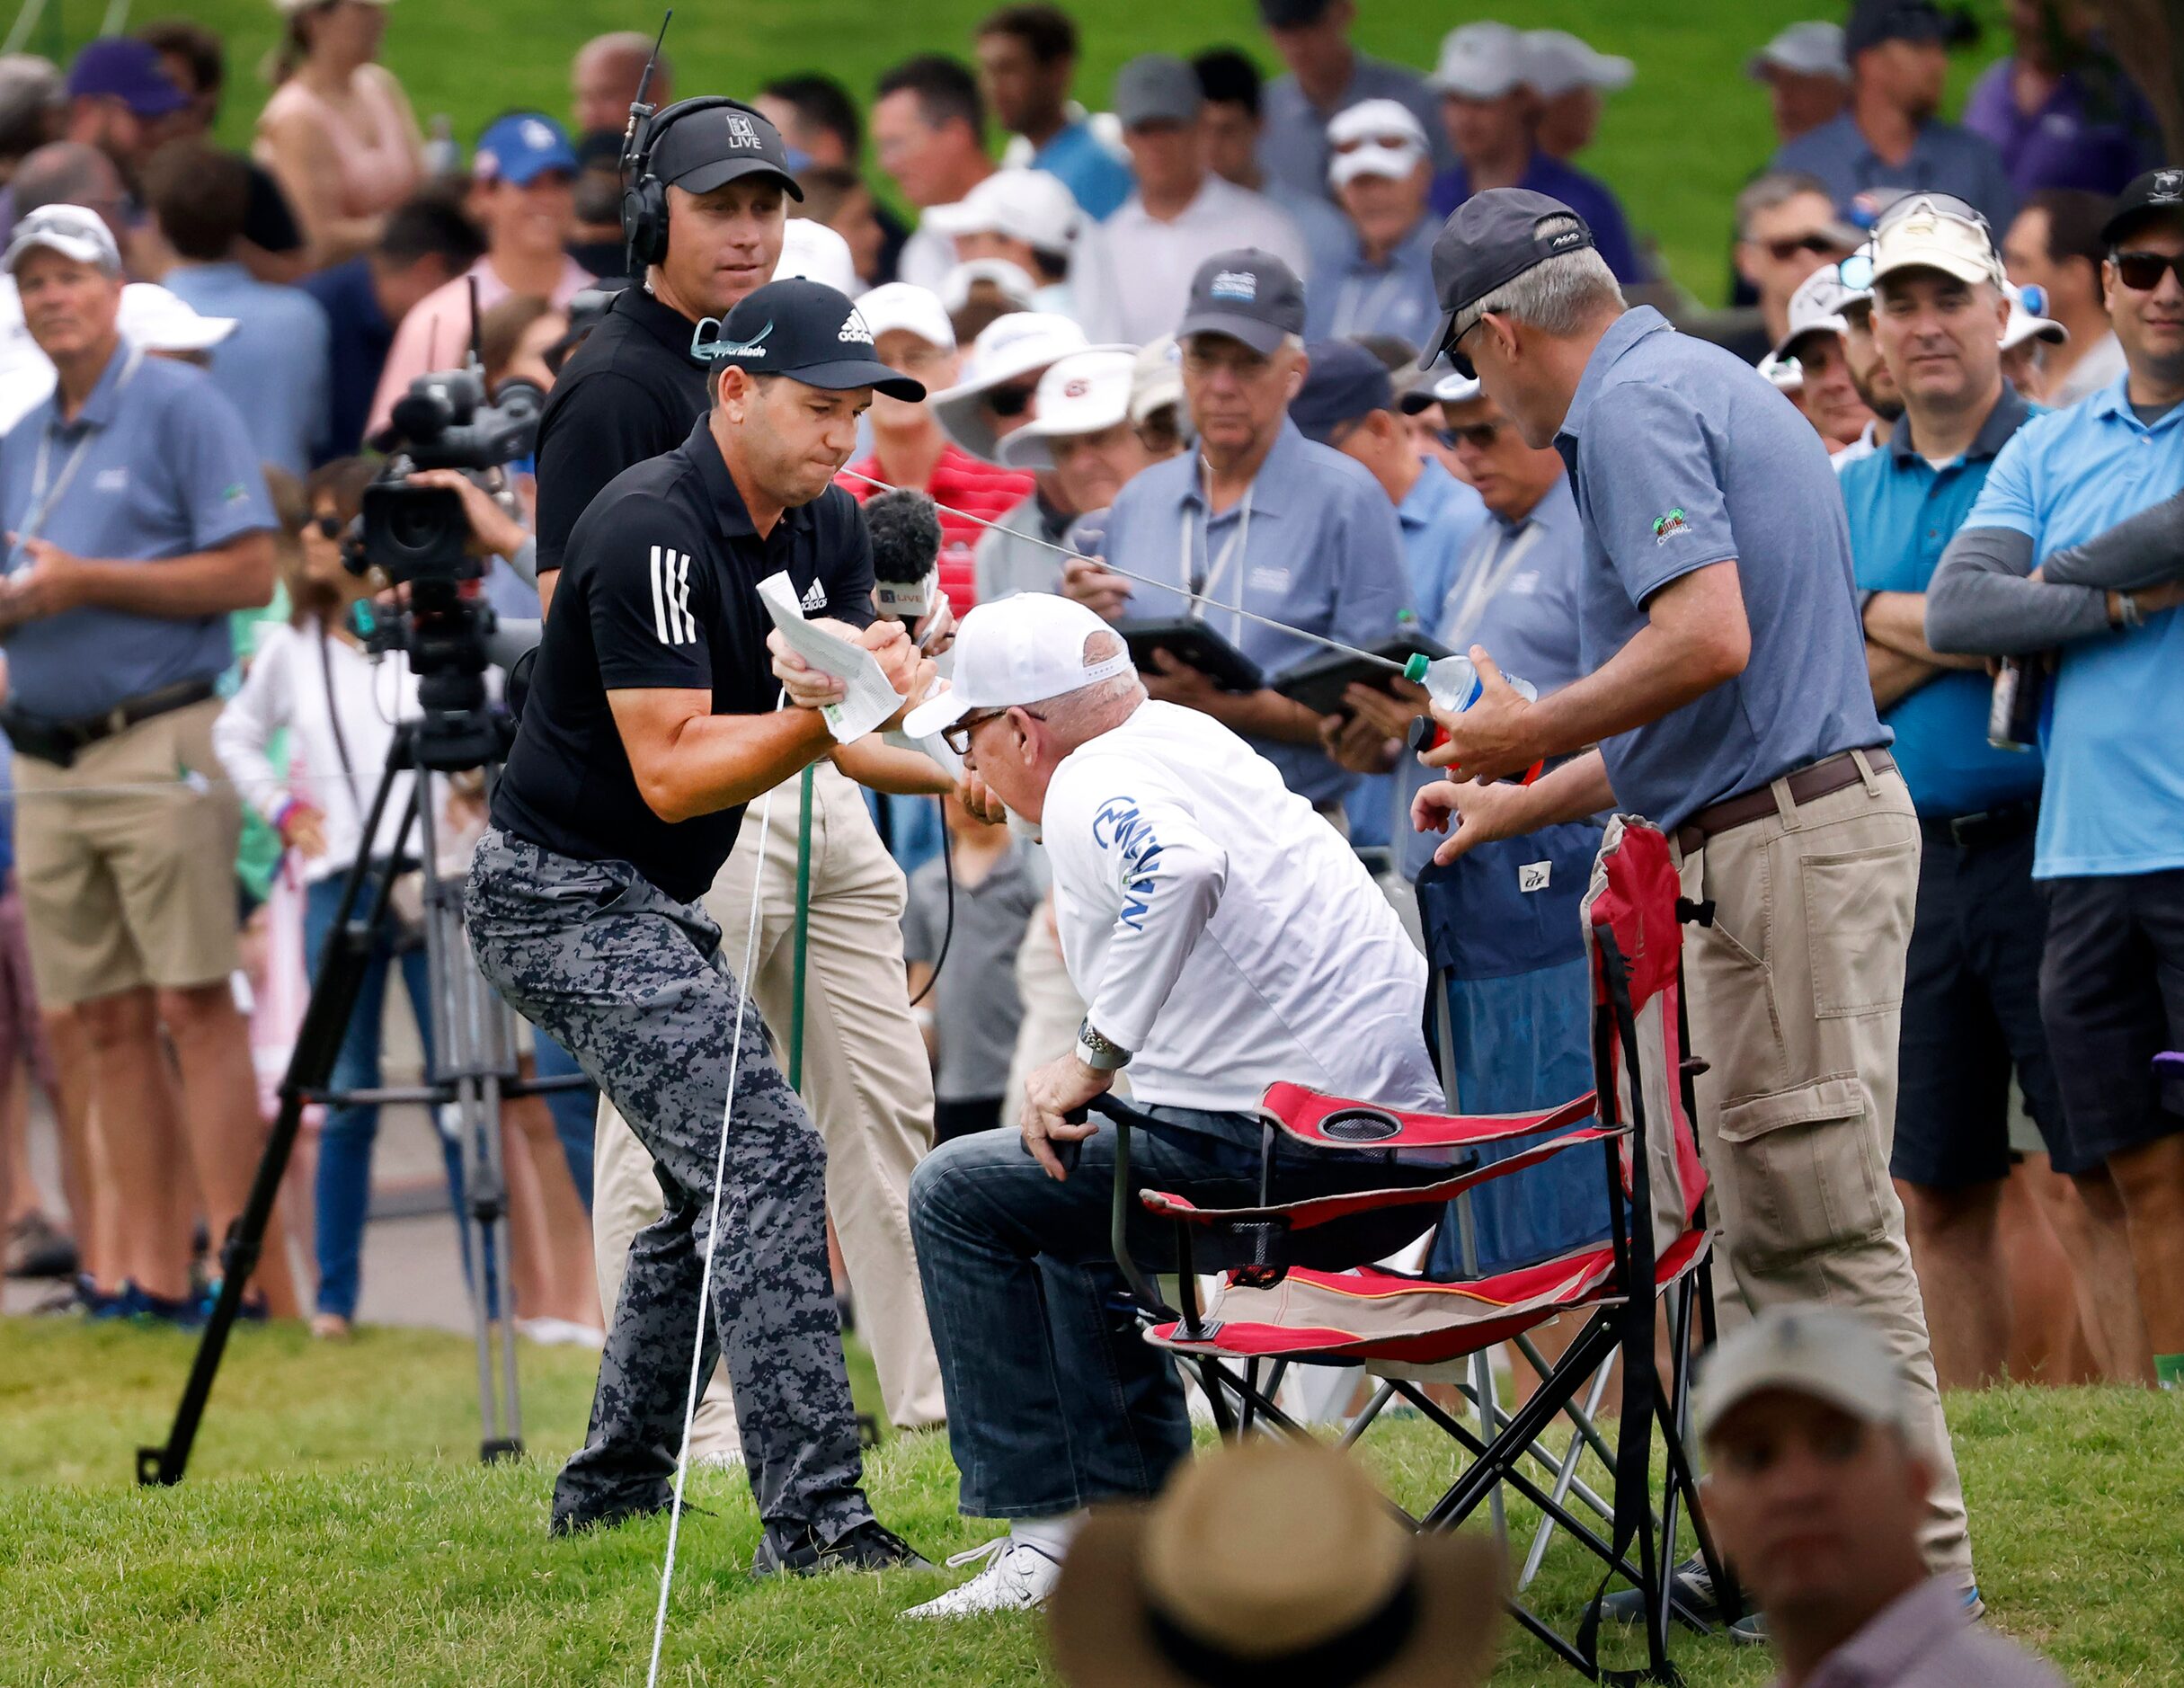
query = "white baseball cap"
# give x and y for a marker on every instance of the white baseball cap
(2024, 325)
(1812, 48)
(160, 320)
(1929, 231)
(1027, 205)
(1816, 308)
(1449, 387)
(72, 230)
(1806, 1349)
(1556, 61)
(1083, 394)
(1479, 61)
(1374, 137)
(1020, 650)
(1785, 375)
(811, 251)
(1008, 349)
(1019, 289)
(1156, 378)
(899, 304)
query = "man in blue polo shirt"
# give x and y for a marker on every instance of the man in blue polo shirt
(135, 521)
(1971, 992)
(1258, 519)
(1890, 136)
(1727, 691)
(2110, 848)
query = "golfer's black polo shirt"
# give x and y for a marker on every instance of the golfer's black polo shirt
(630, 392)
(659, 589)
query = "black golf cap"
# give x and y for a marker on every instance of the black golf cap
(702, 150)
(1248, 295)
(2156, 193)
(1874, 22)
(1344, 383)
(806, 331)
(1291, 14)
(1489, 240)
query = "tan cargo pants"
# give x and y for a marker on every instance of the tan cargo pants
(1796, 999)
(865, 1081)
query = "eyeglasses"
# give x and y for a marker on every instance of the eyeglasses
(956, 735)
(1783, 250)
(1009, 400)
(2142, 271)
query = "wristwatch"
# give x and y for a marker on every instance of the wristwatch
(1102, 1054)
(2128, 613)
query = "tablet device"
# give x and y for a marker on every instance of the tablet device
(1194, 643)
(1319, 683)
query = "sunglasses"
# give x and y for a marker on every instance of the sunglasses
(1392, 143)
(1009, 400)
(2142, 271)
(1479, 436)
(956, 734)
(1783, 250)
(329, 527)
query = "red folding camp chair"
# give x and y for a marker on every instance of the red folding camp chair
(1286, 1305)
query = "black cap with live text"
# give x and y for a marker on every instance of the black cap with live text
(1492, 238)
(806, 331)
(702, 150)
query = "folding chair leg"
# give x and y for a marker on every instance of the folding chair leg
(1582, 1420)
(1215, 1380)
(1563, 1476)
(1371, 1410)
(1553, 1467)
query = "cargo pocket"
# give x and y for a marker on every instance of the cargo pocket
(1858, 911)
(1810, 1172)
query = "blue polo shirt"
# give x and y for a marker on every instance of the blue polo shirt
(1321, 551)
(166, 468)
(2113, 801)
(1439, 516)
(1588, 196)
(1099, 179)
(1903, 512)
(1681, 455)
(1294, 139)
(273, 368)
(1943, 158)
(1516, 591)
(1351, 295)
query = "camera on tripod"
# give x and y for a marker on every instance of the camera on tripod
(445, 421)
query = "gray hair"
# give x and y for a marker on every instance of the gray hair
(1557, 296)
(1075, 717)
(1776, 188)
(65, 172)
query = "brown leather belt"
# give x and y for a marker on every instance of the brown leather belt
(1816, 779)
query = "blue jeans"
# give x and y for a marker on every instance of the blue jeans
(1056, 1400)
(574, 1111)
(344, 1192)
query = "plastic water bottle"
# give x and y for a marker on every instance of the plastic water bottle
(1453, 683)
(443, 156)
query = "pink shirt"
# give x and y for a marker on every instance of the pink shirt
(436, 333)
(1926, 1639)
(379, 169)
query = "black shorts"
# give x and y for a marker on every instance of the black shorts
(1971, 1014)
(2112, 995)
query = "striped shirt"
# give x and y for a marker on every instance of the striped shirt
(959, 483)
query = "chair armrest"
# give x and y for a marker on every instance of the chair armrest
(1330, 1121)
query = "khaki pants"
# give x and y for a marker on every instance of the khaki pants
(865, 1081)
(1795, 996)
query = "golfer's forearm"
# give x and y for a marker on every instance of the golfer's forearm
(715, 763)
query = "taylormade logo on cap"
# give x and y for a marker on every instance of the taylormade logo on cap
(737, 349)
(855, 329)
(1239, 285)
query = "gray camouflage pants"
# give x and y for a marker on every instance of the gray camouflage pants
(634, 984)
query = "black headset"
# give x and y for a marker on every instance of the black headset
(644, 208)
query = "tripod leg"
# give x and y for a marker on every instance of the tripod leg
(319, 1045)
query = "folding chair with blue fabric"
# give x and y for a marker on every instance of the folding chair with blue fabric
(1290, 1304)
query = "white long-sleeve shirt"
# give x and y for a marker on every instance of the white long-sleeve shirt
(1219, 928)
(287, 686)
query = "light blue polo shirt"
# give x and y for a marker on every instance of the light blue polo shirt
(1903, 512)
(1095, 177)
(1355, 296)
(166, 468)
(1681, 455)
(1440, 516)
(274, 367)
(1517, 593)
(1322, 551)
(2113, 737)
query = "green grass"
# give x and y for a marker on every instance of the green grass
(1677, 145)
(334, 1529)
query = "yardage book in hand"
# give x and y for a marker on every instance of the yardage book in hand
(871, 700)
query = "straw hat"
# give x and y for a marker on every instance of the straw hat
(1278, 1559)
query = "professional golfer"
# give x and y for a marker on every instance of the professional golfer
(651, 724)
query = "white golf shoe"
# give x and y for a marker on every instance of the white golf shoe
(1018, 1577)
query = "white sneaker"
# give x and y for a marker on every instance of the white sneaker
(1018, 1577)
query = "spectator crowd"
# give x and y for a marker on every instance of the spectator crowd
(1181, 333)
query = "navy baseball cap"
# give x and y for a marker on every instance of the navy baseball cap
(806, 331)
(1344, 383)
(715, 143)
(1489, 240)
(1248, 295)
(521, 147)
(120, 67)
(1874, 22)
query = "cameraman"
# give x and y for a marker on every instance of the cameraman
(652, 725)
(633, 391)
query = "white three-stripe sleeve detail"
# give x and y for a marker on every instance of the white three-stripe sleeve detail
(660, 624)
(682, 599)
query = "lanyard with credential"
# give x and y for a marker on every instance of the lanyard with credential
(1201, 585)
(1467, 599)
(44, 498)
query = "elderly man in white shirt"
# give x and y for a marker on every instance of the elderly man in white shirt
(1133, 271)
(1224, 937)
